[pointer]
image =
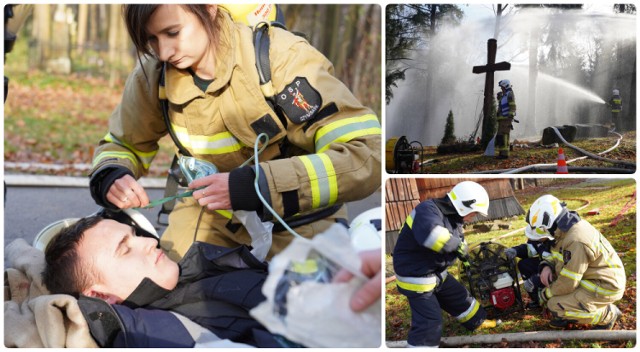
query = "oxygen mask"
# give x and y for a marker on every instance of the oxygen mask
(193, 168)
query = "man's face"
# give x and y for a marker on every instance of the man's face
(121, 260)
(467, 218)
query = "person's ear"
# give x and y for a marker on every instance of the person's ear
(95, 293)
(213, 10)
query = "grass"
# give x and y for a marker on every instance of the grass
(610, 196)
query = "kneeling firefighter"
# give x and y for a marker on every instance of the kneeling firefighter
(430, 241)
(584, 276)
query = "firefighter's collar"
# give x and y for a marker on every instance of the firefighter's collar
(445, 206)
(567, 219)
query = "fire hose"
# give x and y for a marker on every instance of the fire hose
(586, 154)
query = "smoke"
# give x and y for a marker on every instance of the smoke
(575, 73)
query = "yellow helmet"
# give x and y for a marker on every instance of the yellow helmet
(252, 14)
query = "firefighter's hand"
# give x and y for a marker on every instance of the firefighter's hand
(544, 295)
(510, 253)
(126, 192)
(212, 191)
(370, 292)
(546, 276)
(463, 250)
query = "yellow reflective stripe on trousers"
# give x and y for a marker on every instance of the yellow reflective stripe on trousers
(595, 316)
(469, 313)
(119, 155)
(417, 284)
(344, 130)
(219, 143)
(591, 287)
(322, 178)
(145, 157)
(570, 274)
(437, 238)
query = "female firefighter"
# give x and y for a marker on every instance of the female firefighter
(584, 276)
(197, 80)
(430, 241)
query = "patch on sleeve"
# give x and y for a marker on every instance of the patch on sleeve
(566, 256)
(299, 101)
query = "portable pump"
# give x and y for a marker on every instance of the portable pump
(492, 279)
(403, 157)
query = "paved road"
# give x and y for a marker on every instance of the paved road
(30, 208)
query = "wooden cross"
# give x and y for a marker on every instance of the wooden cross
(489, 68)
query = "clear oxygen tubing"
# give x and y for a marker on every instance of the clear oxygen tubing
(255, 184)
(586, 153)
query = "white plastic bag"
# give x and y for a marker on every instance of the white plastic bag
(317, 312)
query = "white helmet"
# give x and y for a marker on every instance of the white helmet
(505, 84)
(542, 216)
(366, 230)
(469, 196)
(616, 92)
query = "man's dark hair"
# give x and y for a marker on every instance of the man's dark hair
(64, 272)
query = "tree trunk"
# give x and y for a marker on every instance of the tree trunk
(348, 46)
(83, 18)
(94, 17)
(496, 30)
(113, 43)
(59, 60)
(360, 42)
(42, 34)
(631, 114)
(530, 128)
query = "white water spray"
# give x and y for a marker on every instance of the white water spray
(581, 92)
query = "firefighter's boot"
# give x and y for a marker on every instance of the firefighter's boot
(559, 324)
(613, 309)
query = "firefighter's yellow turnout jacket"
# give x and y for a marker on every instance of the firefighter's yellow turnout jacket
(588, 273)
(333, 141)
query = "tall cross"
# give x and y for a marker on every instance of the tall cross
(489, 68)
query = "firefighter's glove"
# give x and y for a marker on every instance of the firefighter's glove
(510, 253)
(544, 295)
(529, 286)
(463, 251)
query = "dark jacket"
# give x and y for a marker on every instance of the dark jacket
(411, 257)
(216, 289)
